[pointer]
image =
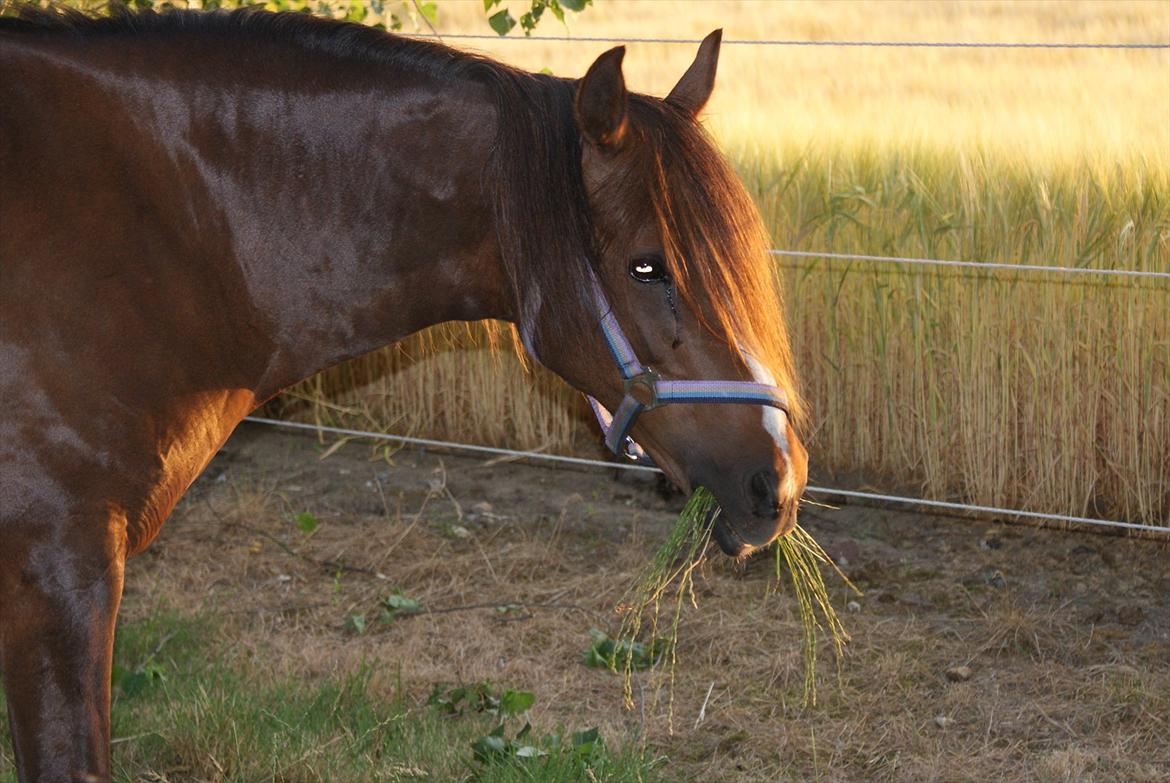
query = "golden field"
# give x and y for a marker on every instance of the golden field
(1038, 391)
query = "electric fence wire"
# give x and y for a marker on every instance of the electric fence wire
(793, 42)
(596, 463)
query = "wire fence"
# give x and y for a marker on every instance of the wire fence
(787, 42)
(969, 508)
(983, 265)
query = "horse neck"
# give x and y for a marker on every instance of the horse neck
(375, 224)
(336, 207)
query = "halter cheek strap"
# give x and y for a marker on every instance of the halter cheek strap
(653, 391)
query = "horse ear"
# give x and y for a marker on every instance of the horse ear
(601, 101)
(694, 88)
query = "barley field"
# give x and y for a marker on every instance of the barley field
(1032, 390)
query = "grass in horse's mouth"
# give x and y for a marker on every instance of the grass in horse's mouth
(670, 578)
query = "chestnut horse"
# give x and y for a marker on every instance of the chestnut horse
(200, 209)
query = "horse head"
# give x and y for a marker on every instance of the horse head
(685, 306)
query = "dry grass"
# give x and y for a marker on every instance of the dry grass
(1063, 681)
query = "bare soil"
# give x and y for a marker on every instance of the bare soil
(980, 650)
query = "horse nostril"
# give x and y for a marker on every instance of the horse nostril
(763, 490)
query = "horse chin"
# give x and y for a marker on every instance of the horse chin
(742, 540)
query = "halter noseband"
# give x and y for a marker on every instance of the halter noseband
(656, 392)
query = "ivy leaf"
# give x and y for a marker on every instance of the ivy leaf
(502, 22)
(574, 5)
(487, 4)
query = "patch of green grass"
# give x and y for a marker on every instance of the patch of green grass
(188, 707)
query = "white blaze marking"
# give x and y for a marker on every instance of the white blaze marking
(775, 420)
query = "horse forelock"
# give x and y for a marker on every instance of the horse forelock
(715, 243)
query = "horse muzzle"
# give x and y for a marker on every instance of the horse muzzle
(754, 514)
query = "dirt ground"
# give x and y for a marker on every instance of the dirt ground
(980, 651)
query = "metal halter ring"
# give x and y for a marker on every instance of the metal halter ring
(647, 379)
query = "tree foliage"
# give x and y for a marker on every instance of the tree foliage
(385, 14)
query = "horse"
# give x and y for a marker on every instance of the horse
(198, 209)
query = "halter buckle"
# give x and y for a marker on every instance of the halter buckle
(647, 379)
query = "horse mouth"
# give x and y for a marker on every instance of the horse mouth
(735, 543)
(729, 539)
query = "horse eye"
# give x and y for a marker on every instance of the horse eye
(648, 269)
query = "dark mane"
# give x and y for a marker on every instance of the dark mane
(326, 36)
(714, 240)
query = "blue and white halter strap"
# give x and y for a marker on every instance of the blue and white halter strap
(656, 391)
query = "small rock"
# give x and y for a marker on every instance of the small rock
(853, 607)
(844, 552)
(942, 721)
(959, 673)
(481, 513)
(1131, 614)
(460, 532)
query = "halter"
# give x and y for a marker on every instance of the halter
(615, 427)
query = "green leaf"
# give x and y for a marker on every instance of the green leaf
(355, 623)
(612, 654)
(357, 11)
(529, 20)
(306, 523)
(575, 5)
(515, 702)
(587, 737)
(430, 12)
(397, 604)
(132, 683)
(487, 4)
(502, 22)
